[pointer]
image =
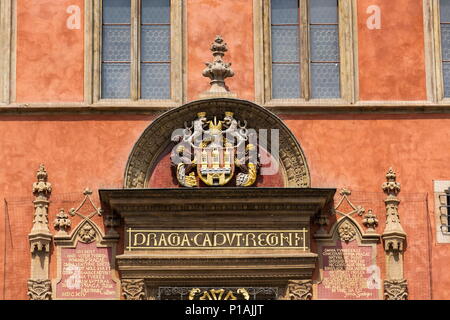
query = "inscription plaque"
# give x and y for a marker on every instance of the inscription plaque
(216, 239)
(86, 273)
(348, 272)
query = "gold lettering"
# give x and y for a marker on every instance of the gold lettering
(247, 239)
(288, 239)
(238, 236)
(261, 239)
(174, 239)
(195, 239)
(162, 238)
(185, 240)
(207, 239)
(298, 238)
(216, 243)
(272, 239)
(135, 242)
(151, 236)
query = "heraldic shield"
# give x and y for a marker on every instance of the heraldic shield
(212, 150)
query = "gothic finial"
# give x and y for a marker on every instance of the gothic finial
(391, 187)
(218, 70)
(62, 222)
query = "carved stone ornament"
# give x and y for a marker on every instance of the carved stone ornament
(62, 222)
(299, 290)
(346, 231)
(218, 294)
(86, 230)
(133, 289)
(213, 150)
(345, 193)
(147, 151)
(395, 289)
(40, 236)
(370, 221)
(39, 289)
(218, 70)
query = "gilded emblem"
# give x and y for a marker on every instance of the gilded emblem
(214, 151)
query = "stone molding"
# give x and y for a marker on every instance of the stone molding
(156, 138)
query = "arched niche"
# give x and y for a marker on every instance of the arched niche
(156, 139)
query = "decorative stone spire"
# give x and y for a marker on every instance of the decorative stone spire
(218, 71)
(39, 285)
(394, 237)
(40, 235)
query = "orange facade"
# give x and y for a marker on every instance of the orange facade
(83, 148)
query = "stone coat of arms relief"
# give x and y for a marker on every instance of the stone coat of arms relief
(214, 151)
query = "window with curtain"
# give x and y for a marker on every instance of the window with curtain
(305, 49)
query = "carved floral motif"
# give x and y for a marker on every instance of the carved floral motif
(370, 221)
(346, 231)
(218, 70)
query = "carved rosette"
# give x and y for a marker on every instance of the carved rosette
(87, 233)
(346, 231)
(133, 289)
(395, 289)
(299, 290)
(39, 289)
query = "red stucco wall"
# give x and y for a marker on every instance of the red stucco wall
(50, 57)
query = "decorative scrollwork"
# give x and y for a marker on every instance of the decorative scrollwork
(299, 290)
(133, 289)
(39, 289)
(395, 289)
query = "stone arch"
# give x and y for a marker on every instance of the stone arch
(156, 138)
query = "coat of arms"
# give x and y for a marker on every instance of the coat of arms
(214, 151)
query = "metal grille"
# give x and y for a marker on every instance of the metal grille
(445, 44)
(155, 49)
(285, 49)
(324, 49)
(444, 200)
(182, 293)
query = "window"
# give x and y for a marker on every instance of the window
(5, 50)
(445, 44)
(308, 50)
(442, 206)
(138, 45)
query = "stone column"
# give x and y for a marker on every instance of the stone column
(394, 238)
(39, 285)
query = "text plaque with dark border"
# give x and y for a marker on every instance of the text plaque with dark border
(144, 239)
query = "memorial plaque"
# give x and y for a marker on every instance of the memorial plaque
(348, 272)
(86, 273)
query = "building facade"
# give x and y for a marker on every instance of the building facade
(345, 198)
